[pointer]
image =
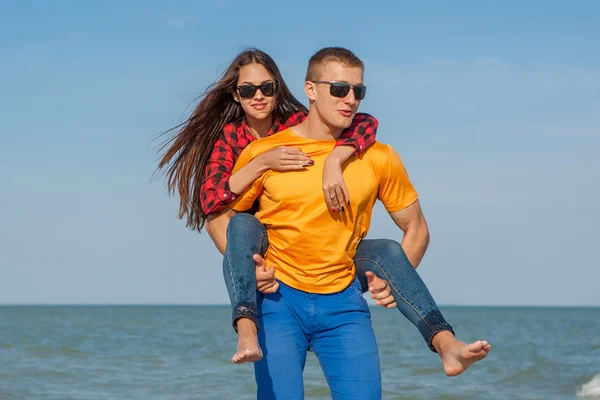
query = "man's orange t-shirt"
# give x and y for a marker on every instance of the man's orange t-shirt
(311, 247)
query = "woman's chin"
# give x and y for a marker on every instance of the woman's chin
(259, 115)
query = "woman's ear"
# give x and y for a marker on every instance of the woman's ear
(234, 93)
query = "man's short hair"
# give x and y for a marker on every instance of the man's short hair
(329, 54)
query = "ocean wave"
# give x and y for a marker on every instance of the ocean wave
(591, 389)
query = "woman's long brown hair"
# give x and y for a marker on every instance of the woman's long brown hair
(186, 153)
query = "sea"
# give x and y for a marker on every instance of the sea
(184, 352)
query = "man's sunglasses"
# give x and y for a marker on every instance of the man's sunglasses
(341, 89)
(248, 91)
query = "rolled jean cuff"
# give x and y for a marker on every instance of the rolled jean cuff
(244, 311)
(444, 326)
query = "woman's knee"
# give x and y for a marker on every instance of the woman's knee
(244, 224)
(381, 247)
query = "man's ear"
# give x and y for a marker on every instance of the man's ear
(310, 90)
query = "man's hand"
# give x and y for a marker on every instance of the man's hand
(265, 276)
(380, 291)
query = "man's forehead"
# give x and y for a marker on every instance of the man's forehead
(338, 71)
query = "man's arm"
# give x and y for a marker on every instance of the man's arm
(216, 226)
(401, 200)
(416, 233)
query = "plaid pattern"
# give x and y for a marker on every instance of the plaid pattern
(215, 185)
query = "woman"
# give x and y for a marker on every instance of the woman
(248, 102)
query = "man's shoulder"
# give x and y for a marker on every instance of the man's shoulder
(378, 151)
(382, 156)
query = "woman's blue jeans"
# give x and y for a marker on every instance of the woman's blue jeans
(246, 236)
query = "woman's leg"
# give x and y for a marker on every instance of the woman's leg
(246, 236)
(386, 259)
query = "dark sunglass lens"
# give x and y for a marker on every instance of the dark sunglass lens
(360, 92)
(339, 89)
(247, 91)
(268, 89)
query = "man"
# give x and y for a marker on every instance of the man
(319, 304)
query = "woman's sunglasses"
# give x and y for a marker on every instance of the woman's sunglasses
(248, 91)
(341, 89)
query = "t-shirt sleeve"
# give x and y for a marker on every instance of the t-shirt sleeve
(396, 192)
(246, 200)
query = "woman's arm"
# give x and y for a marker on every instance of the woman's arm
(215, 193)
(277, 159)
(245, 176)
(220, 187)
(355, 139)
(360, 134)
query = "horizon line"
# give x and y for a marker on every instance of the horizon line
(227, 305)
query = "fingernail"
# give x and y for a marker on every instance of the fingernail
(343, 209)
(348, 202)
(310, 162)
(333, 210)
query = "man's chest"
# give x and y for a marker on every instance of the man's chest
(306, 187)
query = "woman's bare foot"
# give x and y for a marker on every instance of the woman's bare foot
(248, 349)
(457, 356)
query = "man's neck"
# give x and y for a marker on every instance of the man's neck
(314, 127)
(259, 127)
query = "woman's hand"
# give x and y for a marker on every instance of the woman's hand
(278, 159)
(285, 159)
(334, 187)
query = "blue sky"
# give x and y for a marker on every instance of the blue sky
(494, 107)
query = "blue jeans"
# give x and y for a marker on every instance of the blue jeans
(336, 327)
(246, 236)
